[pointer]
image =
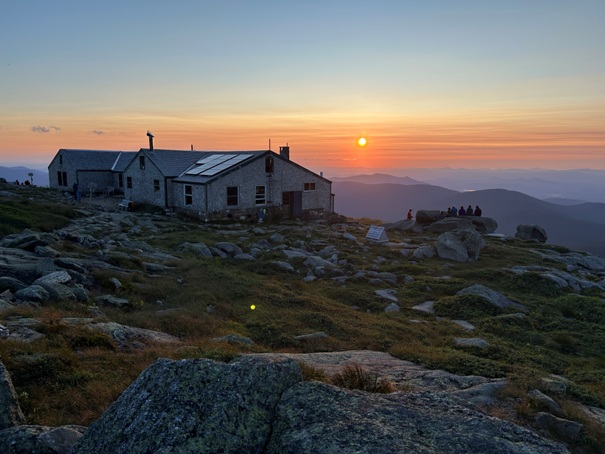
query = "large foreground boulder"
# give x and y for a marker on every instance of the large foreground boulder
(315, 418)
(194, 406)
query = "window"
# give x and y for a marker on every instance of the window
(142, 162)
(260, 195)
(62, 178)
(129, 182)
(309, 186)
(60, 159)
(120, 180)
(156, 185)
(188, 194)
(232, 196)
(269, 164)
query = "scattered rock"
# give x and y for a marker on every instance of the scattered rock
(460, 245)
(33, 293)
(311, 336)
(471, 342)
(40, 439)
(428, 307)
(388, 294)
(542, 401)
(464, 324)
(566, 429)
(531, 232)
(491, 296)
(424, 252)
(10, 412)
(234, 339)
(393, 307)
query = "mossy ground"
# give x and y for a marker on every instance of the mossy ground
(73, 375)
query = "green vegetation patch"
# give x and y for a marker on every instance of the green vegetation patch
(465, 307)
(17, 215)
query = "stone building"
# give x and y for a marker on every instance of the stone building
(205, 184)
(245, 182)
(91, 169)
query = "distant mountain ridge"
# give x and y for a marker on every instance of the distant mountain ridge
(578, 226)
(378, 178)
(11, 174)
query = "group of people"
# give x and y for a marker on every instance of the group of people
(453, 211)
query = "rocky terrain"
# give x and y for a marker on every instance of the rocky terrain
(295, 304)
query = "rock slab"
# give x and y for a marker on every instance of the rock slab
(196, 406)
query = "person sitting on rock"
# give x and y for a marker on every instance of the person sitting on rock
(410, 215)
(469, 211)
(461, 211)
(478, 211)
(454, 210)
(449, 212)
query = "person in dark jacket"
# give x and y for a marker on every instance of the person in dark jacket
(461, 212)
(469, 211)
(454, 210)
(478, 211)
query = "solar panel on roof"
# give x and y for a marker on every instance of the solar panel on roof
(211, 165)
(209, 158)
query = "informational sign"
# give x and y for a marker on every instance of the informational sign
(377, 234)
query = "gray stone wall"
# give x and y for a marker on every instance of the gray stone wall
(286, 177)
(57, 166)
(143, 189)
(99, 180)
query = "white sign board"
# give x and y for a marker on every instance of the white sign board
(377, 233)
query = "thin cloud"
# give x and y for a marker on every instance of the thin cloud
(44, 129)
(97, 132)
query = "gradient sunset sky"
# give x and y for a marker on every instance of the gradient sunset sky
(435, 83)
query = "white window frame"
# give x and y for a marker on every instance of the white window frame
(260, 198)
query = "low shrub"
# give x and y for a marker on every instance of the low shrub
(355, 377)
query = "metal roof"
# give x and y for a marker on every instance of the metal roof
(123, 160)
(172, 162)
(91, 159)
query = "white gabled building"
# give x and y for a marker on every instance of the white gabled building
(97, 169)
(205, 184)
(241, 183)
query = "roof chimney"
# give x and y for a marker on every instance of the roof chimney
(150, 140)
(284, 152)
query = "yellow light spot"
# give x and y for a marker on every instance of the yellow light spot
(252, 307)
(362, 141)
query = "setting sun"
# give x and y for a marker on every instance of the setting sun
(362, 141)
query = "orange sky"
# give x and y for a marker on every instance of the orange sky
(444, 84)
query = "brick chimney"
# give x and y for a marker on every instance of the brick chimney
(284, 152)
